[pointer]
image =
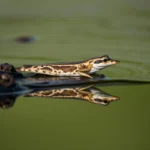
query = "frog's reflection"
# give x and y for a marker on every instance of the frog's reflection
(90, 93)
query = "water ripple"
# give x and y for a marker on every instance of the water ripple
(132, 70)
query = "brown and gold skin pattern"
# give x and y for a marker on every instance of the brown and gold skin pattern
(83, 68)
(91, 94)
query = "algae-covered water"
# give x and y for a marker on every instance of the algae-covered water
(70, 31)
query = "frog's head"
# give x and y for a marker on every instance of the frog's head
(104, 100)
(101, 97)
(102, 62)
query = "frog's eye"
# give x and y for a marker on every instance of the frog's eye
(97, 61)
(105, 60)
(106, 102)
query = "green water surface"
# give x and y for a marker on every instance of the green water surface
(70, 31)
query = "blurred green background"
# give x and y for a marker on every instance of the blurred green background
(70, 31)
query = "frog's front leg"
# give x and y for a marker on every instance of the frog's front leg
(84, 74)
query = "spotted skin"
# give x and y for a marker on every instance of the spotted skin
(82, 68)
(90, 94)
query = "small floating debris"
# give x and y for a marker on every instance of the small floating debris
(26, 39)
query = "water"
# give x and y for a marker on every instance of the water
(74, 31)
